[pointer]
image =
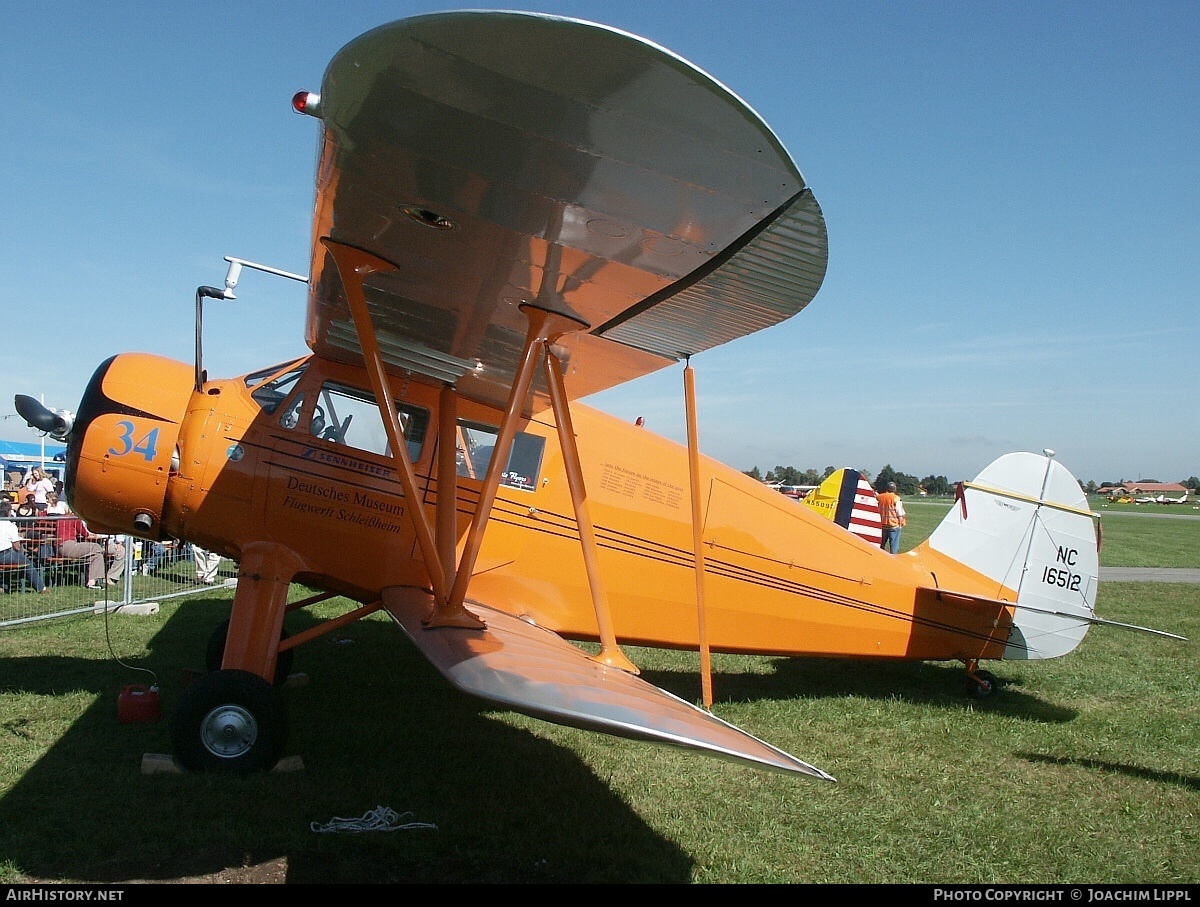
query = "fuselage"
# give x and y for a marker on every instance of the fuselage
(295, 456)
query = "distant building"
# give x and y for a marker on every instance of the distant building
(1146, 492)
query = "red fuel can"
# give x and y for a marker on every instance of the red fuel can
(137, 703)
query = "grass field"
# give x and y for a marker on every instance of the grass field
(1081, 770)
(1142, 537)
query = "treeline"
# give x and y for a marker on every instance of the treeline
(905, 484)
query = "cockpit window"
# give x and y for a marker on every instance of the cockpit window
(350, 416)
(475, 444)
(271, 386)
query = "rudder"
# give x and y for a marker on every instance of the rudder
(1024, 523)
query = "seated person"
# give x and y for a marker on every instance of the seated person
(114, 552)
(158, 554)
(55, 505)
(69, 543)
(10, 548)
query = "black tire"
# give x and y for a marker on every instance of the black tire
(983, 685)
(231, 722)
(215, 652)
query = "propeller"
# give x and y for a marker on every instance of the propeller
(38, 416)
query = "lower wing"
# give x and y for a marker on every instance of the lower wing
(532, 670)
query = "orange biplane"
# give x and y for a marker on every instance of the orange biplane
(514, 211)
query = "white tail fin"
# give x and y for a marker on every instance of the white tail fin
(1025, 524)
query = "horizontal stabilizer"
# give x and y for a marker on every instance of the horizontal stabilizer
(1116, 623)
(979, 602)
(1103, 622)
(532, 670)
(966, 600)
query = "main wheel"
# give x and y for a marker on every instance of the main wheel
(215, 653)
(983, 685)
(229, 721)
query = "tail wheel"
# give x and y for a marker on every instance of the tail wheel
(229, 721)
(215, 653)
(982, 684)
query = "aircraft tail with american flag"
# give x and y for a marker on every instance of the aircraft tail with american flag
(847, 498)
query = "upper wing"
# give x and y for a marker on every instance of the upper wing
(499, 158)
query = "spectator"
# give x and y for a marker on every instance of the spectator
(55, 506)
(68, 544)
(158, 553)
(891, 515)
(114, 553)
(10, 549)
(38, 486)
(206, 563)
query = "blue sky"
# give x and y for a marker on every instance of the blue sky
(1012, 192)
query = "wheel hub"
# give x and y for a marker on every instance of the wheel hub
(228, 731)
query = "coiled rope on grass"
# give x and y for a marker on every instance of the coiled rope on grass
(381, 818)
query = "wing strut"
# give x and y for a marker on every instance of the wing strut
(609, 654)
(446, 612)
(437, 547)
(355, 266)
(545, 326)
(447, 473)
(689, 393)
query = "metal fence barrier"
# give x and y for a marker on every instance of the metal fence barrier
(150, 572)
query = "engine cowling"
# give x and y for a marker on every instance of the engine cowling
(122, 449)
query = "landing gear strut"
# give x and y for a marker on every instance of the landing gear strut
(215, 653)
(980, 684)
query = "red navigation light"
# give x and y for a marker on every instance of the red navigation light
(306, 102)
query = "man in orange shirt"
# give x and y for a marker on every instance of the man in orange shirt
(891, 515)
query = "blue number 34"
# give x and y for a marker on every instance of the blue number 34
(126, 443)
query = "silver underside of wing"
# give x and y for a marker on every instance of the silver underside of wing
(500, 159)
(534, 671)
(780, 264)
